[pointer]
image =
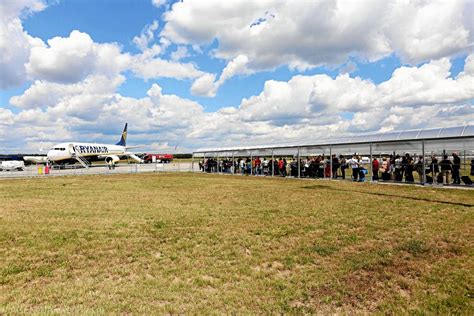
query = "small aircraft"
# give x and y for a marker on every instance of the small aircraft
(85, 153)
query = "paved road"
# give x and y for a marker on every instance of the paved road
(32, 171)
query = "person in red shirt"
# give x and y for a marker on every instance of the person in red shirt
(375, 169)
(281, 167)
(258, 163)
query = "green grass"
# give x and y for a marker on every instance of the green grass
(183, 243)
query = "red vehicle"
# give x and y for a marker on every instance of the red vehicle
(165, 158)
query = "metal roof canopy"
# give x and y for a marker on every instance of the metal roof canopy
(406, 140)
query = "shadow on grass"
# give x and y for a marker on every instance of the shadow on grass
(414, 198)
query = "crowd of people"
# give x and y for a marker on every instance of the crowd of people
(398, 168)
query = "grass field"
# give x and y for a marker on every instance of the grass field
(183, 243)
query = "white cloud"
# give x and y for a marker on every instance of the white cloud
(308, 34)
(155, 67)
(304, 96)
(65, 60)
(158, 3)
(304, 107)
(72, 59)
(180, 53)
(142, 41)
(15, 43)
(10, 10)
(44, 94)
(203, 86)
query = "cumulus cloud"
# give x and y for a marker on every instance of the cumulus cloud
(76, 80)
(44, 94)
(15, 42)
(303, 35)
(65, 60)
(304, 107)
(303, 96)
(72, 59)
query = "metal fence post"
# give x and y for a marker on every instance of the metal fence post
(298, 161)
(423, 179)
(330, 162)
(204, 162)
(233, 163)
(371, 164)
(251, 166)
(465, 164)
(273, 163)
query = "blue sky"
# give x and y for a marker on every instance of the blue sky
(123, 20)
(280, 75)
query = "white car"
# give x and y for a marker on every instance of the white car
(11, 165)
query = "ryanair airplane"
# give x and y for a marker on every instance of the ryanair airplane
(84, 153)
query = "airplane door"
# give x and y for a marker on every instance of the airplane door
(72, 150)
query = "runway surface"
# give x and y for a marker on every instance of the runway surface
(33, 171)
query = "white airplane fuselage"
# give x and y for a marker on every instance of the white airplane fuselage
(92, 151)
(86, 152)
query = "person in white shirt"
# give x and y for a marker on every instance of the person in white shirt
(354, 163)
(242, 166)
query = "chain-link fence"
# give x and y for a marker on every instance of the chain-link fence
(76, 169)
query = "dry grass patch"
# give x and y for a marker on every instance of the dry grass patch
(182, 243)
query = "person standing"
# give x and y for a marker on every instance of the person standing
(385, 170)
(242, 166)
(419, 166)
(398, 168)
(456, 168)
(343, 163)
(354, 163)
(335, 166)
(409, 168)
(281, 167)
(434, 168)
(446, 169)
(375, 170)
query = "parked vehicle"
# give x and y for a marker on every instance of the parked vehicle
(11, 165)
(164, 158)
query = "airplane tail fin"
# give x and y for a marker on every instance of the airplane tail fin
(123, 139)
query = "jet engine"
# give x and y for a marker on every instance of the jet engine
(112, 159)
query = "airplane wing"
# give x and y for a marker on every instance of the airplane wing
(36, 159)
